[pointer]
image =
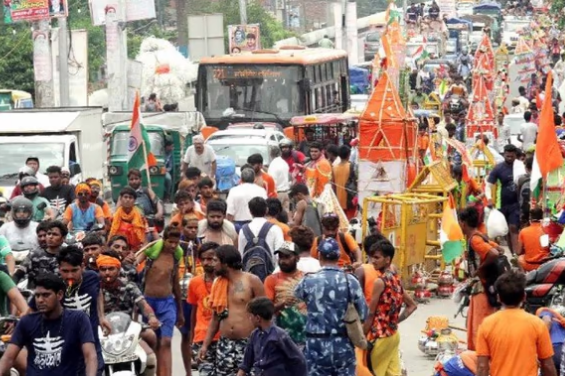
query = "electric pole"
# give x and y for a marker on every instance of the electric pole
(116, 56)
(42, 66)
(64, 63)
(243, 11)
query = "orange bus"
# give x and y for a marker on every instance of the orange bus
(272, 85)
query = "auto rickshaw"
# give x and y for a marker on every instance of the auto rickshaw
(118, 158)
(337, 129)
(11, 99)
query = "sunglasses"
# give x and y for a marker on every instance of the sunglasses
(82, 194)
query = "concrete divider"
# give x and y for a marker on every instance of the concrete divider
(311, 39)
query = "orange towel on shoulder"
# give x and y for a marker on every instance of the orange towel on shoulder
(219, 295)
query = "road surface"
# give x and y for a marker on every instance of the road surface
(416, 362)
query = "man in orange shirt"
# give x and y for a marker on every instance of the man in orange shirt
(185, 205)
(423, 140)
(531, 254)
(279, 288)
(201, 316)
(262, 179)
(274, 209)
(318, 172)
(514, 341)
(350, 253)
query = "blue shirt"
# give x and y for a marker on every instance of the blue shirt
(54, 346)
(504, 173)
(85, 299)
(326, 296)
(273, 353)
(557, 331)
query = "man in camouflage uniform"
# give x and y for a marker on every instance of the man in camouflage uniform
(121, 295)
(327, 294)
(41, 260)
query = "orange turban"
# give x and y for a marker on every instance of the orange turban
(108, 261)
(94, 182)
(82, 187)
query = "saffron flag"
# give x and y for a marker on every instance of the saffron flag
(548, 155)
(451, 235)
(139, 147)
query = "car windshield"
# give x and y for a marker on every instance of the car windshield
(120, 141)
(240, 152)
(48, 154)
(374, 37)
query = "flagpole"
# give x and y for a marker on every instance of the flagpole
(145, 155)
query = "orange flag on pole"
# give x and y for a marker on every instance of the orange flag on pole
(548, 152)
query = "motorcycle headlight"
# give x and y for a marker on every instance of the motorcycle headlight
(118, 345)
(154, 170)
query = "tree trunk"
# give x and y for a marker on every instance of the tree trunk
(182, 24)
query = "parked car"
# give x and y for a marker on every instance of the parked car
(372, 45)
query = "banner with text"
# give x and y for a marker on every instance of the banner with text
(32, 10)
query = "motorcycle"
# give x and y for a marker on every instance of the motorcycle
(5, 338)
(545, 286)
(75, 237)
(121, 350)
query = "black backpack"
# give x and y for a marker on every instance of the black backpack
(492, 272)
(524, 197)
(257, 256)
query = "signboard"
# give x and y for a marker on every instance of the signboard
(78, 68)
(244, 38)
(32, 10)
(135, 10)
(222, 72)
(520, 72)
(41, 56)
(206, 36)
(447, 7)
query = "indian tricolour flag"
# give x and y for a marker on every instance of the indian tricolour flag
(421, 52)
(139, 147)
(450, 236)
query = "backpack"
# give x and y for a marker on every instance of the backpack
(524, 197)
(343, 244)
(152, 253)
(226, 176)
(257, 257)
(351, 186)
(492, 272)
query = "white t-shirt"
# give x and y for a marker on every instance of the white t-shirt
(308, 264)
(238, 200)
(202, 161)
(20, 239)
(524, 102)
(529, 133)
(279, 171)
(274, 238)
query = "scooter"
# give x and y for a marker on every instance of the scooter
(545, 286)
(121, 350)
(5, 338)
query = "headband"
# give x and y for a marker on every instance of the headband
(82, 187)
(108, 261)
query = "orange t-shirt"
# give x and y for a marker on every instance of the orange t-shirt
(198, 295)
(344, 258)
(481, 247)
(274, 280)
(98, 212)
(268, 183)
(317, 175)
(423, 142)
(284, 227)
(516, 349)
(529, 237)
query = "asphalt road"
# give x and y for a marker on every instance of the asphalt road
(417, 364)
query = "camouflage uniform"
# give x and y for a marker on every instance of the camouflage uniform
(123, 298)
(328, 349)
(37, 262)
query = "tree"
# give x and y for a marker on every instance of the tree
(366, 8)
(16, 58)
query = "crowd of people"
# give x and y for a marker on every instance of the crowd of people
(271, 273)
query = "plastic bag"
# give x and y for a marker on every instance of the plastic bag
(496, 224)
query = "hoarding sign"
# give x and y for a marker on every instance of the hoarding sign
(244, 38)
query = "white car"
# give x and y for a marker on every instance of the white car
(515, 121)
(239, 144)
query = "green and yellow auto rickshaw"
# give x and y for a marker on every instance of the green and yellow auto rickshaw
(179, 131)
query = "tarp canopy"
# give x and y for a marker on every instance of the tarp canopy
(386, 131)
(487, 6)
(457, 21)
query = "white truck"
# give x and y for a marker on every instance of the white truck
(65, 137)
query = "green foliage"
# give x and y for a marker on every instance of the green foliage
(367, 7)
(16, 58)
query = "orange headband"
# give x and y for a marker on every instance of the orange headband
(82, 187)
(94, 182)
(108, 261)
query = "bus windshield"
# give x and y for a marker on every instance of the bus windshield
(248, 88)
(120, 141)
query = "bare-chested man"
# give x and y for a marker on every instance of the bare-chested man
(230, 294)
(216, 228)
